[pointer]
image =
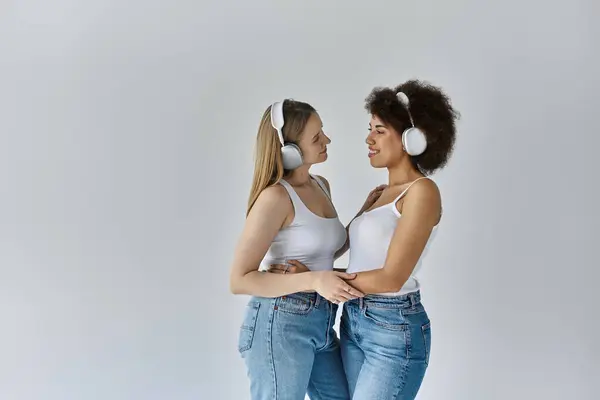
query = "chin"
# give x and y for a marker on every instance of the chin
(321, 158)
(375, 164)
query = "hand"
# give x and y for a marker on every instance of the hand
(292, 267)
(333, 286)
(372, 197)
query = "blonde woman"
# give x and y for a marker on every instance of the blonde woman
(287, 338)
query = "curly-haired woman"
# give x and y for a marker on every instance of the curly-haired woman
(386, 335)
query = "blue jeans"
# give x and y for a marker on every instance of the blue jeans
(290, 349)
(386, 342)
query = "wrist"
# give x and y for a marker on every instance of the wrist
(312, 279)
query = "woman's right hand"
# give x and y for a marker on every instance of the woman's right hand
(372, 197)
(332, 285)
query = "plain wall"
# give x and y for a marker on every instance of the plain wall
(126, 142)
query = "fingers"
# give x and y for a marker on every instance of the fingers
(298, 265)
(345, 296)
(282, 269)
(354, 292)
(295, 263)
(350, 291)
(379, 188)
(275, 268)
(345, 292)
(345, 275)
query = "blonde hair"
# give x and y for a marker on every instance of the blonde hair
(268, 162)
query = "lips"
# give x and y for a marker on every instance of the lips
(373, 152)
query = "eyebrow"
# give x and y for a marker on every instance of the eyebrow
(379, 126)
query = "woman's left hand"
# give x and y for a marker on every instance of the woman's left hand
(292, 267)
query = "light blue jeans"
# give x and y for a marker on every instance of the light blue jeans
(386, 342)
(290, 349)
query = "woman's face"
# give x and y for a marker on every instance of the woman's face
(385, 144)
(313, 141)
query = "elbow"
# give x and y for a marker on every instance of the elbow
(235, 286)
(392, 283)
(396, 287)
(233, 289)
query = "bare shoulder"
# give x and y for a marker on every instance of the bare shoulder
(424, 199)
(424, 189)
(274, 197)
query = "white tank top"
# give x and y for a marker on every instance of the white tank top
(370, 236)
(310, 238)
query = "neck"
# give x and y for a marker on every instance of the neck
(402, 173)
(299, 177)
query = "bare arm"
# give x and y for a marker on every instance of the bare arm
(420, 213)
(266, 218)
(262, 224)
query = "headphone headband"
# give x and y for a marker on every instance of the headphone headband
(403, 99)
(290, 153)
(277, 120)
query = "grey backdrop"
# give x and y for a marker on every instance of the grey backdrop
(126, 135)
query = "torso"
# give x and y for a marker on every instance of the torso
(371, 233)
(311, 234)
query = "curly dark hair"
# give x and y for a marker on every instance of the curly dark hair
(432, 113)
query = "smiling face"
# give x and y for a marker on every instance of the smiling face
(313, 141)
(385, 144)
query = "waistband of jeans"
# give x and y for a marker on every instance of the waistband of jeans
(400, 301)
(312, 297)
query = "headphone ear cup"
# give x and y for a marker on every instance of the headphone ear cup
(292, 156)
(414, 141)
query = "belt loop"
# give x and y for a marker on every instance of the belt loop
(414, 299)
(361, 303)
(317, 300)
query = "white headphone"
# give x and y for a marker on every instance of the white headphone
(413, 139)
(291, 153)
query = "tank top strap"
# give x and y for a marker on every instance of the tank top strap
(299, 207)
(401, 195)
(322, 185)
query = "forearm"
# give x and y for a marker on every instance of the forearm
(264, 284)
(378, 281)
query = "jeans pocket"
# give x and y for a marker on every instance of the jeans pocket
(388, 318)
(295, 304)
(248, 327)
(426, 330)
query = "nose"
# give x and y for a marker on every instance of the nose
(327, 140)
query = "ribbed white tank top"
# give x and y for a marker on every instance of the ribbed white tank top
(370, 236)
(310, 238)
